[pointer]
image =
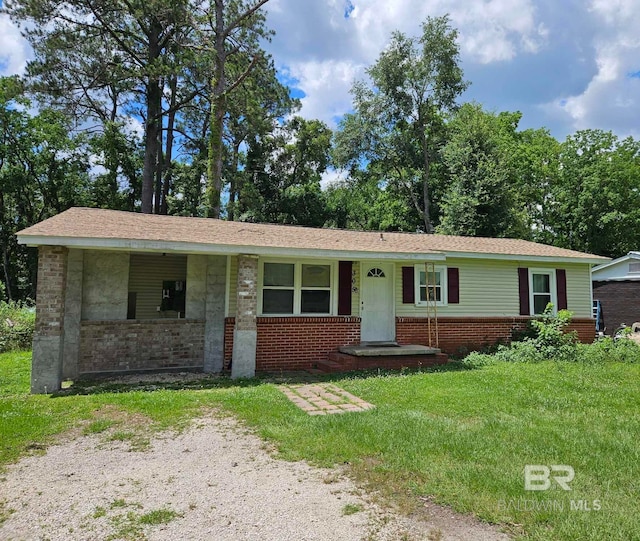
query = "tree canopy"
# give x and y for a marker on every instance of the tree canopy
(174, 107)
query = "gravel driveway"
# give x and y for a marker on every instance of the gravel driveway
(214, 481)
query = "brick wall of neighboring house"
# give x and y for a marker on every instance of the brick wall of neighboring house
(111, 346)
(296, 343)
(620, 302)
(462, 334)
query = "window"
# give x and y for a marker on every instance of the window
(315, 295)
(634, 267)
(542, 288)
(436, 285)
(375, 273)
(296, 288)
(278, 288)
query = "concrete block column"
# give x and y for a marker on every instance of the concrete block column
(72, 314)
(48, 338)
(216, 279)
(245, 335)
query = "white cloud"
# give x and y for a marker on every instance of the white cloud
(14, 49)
(331, 177)
(326, 85)
(611, 100)
(325, 50)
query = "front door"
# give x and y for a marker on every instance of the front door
(378, 318)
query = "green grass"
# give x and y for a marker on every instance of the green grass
(459, 437)
(351, 509)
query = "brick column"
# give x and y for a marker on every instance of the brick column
(48, 338)
(243, 363)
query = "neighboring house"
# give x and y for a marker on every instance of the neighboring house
(121, 291)
(616, 285)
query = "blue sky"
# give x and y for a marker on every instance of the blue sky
(567, 65)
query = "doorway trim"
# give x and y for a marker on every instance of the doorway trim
(389, 269)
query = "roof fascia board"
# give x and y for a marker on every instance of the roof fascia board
(516, 257)
(617, 279)
(187, 247)
(622, 259)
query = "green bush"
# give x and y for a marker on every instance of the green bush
(607, 349)
(552, 342)
(476, 359)
(17, 321)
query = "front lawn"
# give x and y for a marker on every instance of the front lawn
(461, 437)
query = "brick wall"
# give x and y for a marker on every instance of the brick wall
(111, 346)
(620, 303)
(460, 334)
(247, 298)
(296, 343)
(50, 291)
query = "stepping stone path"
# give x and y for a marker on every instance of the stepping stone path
(323, 398)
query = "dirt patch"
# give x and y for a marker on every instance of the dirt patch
(212, 481)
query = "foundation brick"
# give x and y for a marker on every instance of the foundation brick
(462, 334)
(131, 345)
(296, 343)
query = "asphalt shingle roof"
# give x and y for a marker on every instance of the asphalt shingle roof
(100, 224)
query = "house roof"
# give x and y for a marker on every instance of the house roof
(618, 269)
(110, 229)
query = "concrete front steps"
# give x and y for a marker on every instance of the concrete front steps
(369, 356)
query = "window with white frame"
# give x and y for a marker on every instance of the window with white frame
(542, 289)
(430, 284)
(296, 288)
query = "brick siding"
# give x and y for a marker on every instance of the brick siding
(462, 334)
(247, 298)
(50, 292)
(296, 343)
(131, 345)
(620, 303)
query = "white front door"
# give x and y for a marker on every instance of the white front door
(378, 318)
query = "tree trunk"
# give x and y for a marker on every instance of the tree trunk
(150, 144)
(218, 111)
(426, 199)
(168, 154)
(235, 186)
(152, 124)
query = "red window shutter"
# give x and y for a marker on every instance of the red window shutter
(408, 286)
(344, 288)
(453, 285)
(523, 291)
(561, 286)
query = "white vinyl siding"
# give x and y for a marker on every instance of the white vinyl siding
(355, 288)
(578, 290)
(487, 288)
(490, 288)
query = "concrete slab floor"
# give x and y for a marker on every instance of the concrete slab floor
(323, 398)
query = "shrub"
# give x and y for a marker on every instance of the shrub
(607, 349)
(17, 321)
(476, 359)
(550, 342)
